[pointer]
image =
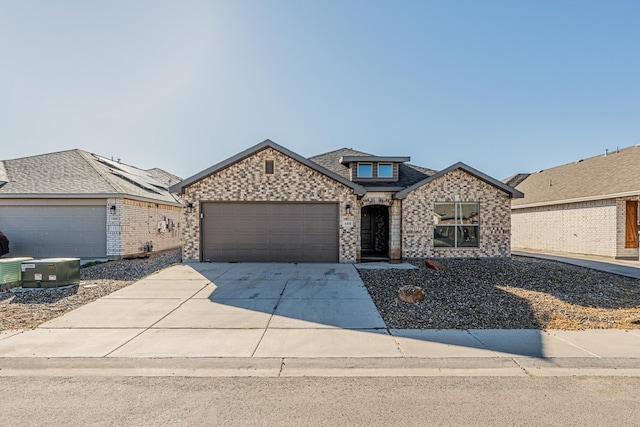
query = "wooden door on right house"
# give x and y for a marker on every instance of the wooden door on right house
(631, 232)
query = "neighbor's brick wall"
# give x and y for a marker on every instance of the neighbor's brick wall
(621, 227)
(580, 228)
(417, 217)
(291, 181)
(114, 229)
(136, 223)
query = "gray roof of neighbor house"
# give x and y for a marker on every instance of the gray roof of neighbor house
(601, 177)
(79, 174)
(516, 179)
(408, 174)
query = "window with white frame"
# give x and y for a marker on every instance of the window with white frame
(456, 224)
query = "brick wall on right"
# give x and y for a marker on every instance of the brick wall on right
(418, 210)
(592, 228)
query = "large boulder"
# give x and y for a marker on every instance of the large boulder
(434, 265)
(411, 294)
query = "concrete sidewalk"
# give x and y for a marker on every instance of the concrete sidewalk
(291, 318)
(620, 267)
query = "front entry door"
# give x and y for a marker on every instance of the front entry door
(374, 231)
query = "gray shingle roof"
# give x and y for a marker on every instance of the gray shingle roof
(79, 173)
(408, 174)
(516, 179)
(331, 160)
(593, 178)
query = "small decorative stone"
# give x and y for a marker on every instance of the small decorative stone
(434, 265)
(411, 294)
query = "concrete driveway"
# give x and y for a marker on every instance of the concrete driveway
(227, 310)
(220, 310)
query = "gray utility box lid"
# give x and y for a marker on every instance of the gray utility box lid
(10, 272)
(50, 272)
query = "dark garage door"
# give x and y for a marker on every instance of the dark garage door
(270, 232)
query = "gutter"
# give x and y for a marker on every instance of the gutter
(89, 196)
(577, 200)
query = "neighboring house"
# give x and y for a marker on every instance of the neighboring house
(77, 204)
(270, 204)
(587, 207)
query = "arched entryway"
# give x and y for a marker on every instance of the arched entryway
(374, 233)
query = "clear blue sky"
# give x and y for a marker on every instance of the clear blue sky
(504, 86)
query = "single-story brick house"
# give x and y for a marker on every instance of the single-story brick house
(268, 203)
(586, 207)
(77, 204)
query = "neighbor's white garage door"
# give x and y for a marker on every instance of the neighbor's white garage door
(55, 231)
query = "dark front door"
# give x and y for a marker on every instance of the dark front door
(374, 231)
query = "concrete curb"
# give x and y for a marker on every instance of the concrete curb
(325, 367)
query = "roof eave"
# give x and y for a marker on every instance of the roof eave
(76, 196)
(512, 192)
(578, 199)
(398, 159)
(267, 143)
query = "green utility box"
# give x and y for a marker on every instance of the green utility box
(10, 272)
(50, 272)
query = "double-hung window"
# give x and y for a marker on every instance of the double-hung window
(456, 224)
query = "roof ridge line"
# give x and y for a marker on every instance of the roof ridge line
(88, 157)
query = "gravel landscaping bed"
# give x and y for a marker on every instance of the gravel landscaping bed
(485, 293)
(504, 293)
(21, 309)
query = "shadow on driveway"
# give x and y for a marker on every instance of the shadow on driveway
(312, 297)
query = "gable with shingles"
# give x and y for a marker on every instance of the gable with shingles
(605, 176)
(408, 174)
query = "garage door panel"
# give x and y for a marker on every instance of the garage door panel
(55, 231)
(270, 232)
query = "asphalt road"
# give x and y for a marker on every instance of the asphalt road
(319, 401)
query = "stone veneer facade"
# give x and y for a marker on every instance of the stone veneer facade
(494, 222)
(594, 227)
(293, 181)
(135, 223)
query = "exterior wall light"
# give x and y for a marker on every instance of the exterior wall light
(348, 209)
(113, 209)
(189, 207)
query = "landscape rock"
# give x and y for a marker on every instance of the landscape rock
(411, 294)
(434, 265)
